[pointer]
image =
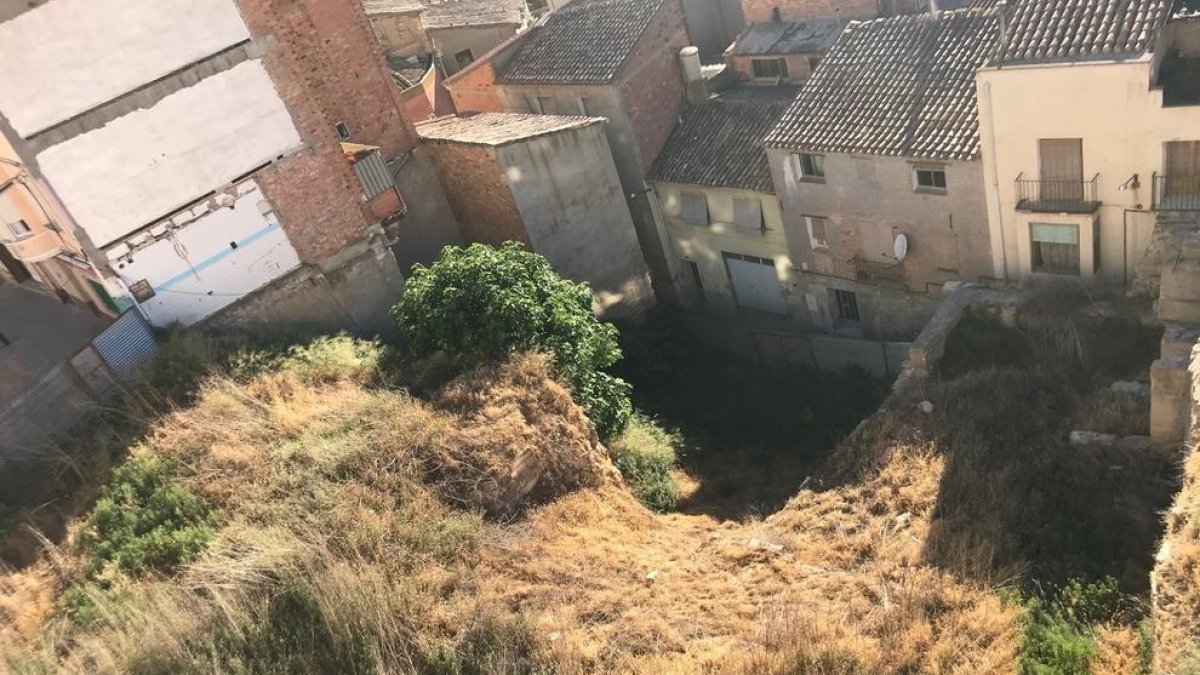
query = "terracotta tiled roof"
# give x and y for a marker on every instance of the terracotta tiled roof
(903, 86)
(450, 13)
(498, 128)
(719, 144)
(585, 42)
(1070, 30)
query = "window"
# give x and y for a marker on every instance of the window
(818, 231)
(697, 282)
(845, 304)
(1054, 248)
(694, 208)
(748, 214)
(812, 167)
(813, 62)
(545, 104)
(343, 131)
(464, 58)
(930, 178)
(584, 106)
(769, 69)
(20, 229)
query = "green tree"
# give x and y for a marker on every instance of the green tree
(481, 303)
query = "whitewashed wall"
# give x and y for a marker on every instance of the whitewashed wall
(145, 165)
(197, 272)
(68, 56)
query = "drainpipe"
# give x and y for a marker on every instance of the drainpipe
(1002, 273)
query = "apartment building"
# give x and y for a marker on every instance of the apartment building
(549, 182)
(34, 246)
(878, 168)
(1090, 124)
(718, 206)
(782, 52)
(458, 31)
(616, 59)
(197, 150)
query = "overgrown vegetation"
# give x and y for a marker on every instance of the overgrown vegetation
(646, 454)
(1059, 633)
(481, 304)
(143, 522)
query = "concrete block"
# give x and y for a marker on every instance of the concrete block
(1170, 400)
(1179, 339)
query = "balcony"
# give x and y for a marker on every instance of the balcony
(874, 271)
(1057, 196)
(35, 247)
(1176, 193)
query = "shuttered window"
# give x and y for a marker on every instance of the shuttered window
(1055, 248)
(818, 231)
(846, 305)
(769, 69)
(748, 214)
(693, 208)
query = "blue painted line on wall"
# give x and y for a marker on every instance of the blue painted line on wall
(213, 260)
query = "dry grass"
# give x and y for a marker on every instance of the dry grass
(1111, 412)
(1176, 611)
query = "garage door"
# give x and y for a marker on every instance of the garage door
(755, 283)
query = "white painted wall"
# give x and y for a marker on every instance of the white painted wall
(68, 56)
(197, 273)
(146, 165)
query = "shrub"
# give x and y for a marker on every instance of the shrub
(645, 454)
(1058, 637)
(480, 304)
(142, 522)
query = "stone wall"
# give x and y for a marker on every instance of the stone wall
(401, 33)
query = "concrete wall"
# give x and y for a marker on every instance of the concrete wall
(354, 297)
(870, 200)
(713, 24)
(574, 213)
(479, 39)
(401, 34)
(144, 165)
(1123, 125)
(430, 223)
(208, 264)
(704, 245)
(52, 73)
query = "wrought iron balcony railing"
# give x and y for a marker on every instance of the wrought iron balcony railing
(1057, 196)
(1174, 192)
(871, 270)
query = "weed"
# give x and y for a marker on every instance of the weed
(143, 522)
(1059, 636)
(646, 454)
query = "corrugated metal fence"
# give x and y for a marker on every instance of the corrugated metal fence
(29, 424)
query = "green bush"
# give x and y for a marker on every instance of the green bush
(479, 304)
(645, 454)
(1058, 637)
(143, 523)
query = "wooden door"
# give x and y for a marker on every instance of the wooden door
(1061, 165)
(1183, 168)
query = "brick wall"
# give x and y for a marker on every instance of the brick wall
(328, 68)
(474, 89)
(651, 86)
(474, 184)
(797, 65)
(761, 10)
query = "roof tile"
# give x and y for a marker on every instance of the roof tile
(1043, 31)
(902, 86)
(499, 128)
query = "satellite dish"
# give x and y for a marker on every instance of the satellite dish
(901, 247)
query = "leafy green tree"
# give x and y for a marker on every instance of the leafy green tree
(481, 303)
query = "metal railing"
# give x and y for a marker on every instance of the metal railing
(871, 270)
(1174, 192)
(1057, 196)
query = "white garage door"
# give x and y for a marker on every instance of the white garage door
(755, 283)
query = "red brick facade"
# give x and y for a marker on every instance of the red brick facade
(473, 181)
(651, 87)
(799, 66)
(789, 10)
(474, 89)
(327, 66)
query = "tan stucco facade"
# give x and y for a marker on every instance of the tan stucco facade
(1118, 114)
(706, 246)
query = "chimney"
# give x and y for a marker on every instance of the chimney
(933, 7)
(693, 78)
